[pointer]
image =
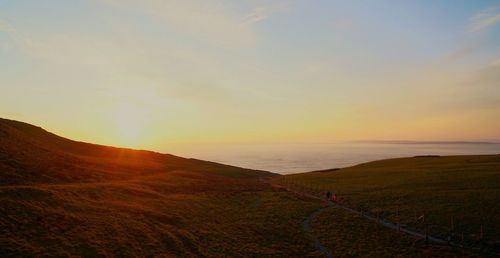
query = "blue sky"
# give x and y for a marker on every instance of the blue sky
(158, 73)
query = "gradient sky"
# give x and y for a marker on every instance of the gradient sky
(158, 74)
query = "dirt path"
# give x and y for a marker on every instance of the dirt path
(306, 229)
(307, 221)
(382, 222)
(392, 225)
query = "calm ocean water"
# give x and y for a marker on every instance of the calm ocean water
(294, 158)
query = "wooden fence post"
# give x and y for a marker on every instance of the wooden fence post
(463, 244)
(398, 219)
(426, 234)
(481, 237)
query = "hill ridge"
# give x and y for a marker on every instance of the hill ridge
(30, 154)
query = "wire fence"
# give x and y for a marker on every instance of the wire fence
(457, 233)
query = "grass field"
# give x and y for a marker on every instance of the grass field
(64, 198)
(457, 194)
(179, 214)
(348, 235)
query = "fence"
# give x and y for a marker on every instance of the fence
(419, 223)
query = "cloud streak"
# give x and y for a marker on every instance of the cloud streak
(263, 12)
(5, 27)
(483, 20)
(206, 21)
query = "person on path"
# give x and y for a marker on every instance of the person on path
(328, 195)
(334, 197)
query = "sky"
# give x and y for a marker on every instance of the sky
(161, 74)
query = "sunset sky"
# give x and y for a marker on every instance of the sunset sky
(159, 74)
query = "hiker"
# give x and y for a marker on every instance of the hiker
(334, 197)
(328, 195)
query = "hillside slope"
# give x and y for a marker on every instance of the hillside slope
(29, 154)
(64, 198)
(457, 195)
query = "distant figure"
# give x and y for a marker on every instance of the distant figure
(334, 197)
(328, 195)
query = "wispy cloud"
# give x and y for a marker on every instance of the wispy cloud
(484, 19)
(495, 62)
(207, 21)
(216, 22)
(263, 12)
(5, 27)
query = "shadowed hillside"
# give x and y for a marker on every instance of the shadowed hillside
(29, 154)
(62, 198)
(449, 196)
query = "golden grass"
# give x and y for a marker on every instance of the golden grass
(462, 189)
(64, 198)
(349, 235)
(212, 217)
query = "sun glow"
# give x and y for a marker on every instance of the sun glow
(131, 122)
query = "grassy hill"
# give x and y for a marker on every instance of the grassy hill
(63, 198)
(29, 154)
(60, 197)
(455, 194)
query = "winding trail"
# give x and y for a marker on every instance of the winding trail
(317, 243)
(382, 222)
(393, 226)
(385, 223)
(307, 221)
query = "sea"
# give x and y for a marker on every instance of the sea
(296, 158)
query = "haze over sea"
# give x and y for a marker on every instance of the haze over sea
(294, 158)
